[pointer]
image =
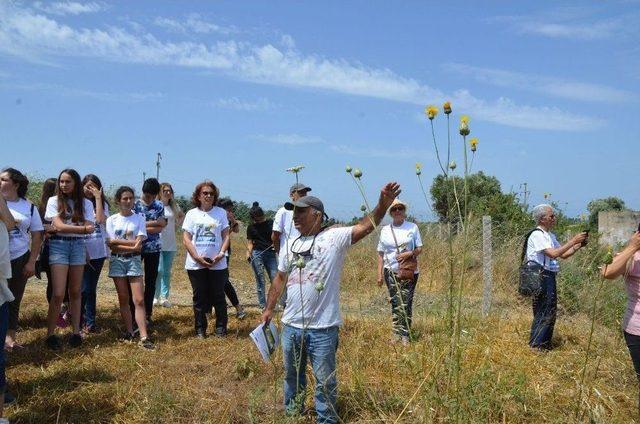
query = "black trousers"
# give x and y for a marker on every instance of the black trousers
(150, 261)
(208, 291)
(633, 343)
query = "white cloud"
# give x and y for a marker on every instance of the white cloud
(555, 87)
(289, 139)
(400, 153)
(76, 92)
(193, 24)
(69, 7)
(36, 37)
(236, 103)
(571, 23)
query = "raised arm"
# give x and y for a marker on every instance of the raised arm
(619, 265)
(366, 225)
(567, 249)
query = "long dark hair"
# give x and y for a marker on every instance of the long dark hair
(18, 178)
(48, 190)
(77, 214)
(94, 179)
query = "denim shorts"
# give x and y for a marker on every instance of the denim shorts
(129, 266)
(67, 251)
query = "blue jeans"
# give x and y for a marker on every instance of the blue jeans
(89, 283)
(163, 281)
(4, 323)
(262, 261)
(320, 346)
(544, 312)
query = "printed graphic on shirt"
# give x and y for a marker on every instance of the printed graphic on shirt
(152, 212)
(204, 234)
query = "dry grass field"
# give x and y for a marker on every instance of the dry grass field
(187, 380)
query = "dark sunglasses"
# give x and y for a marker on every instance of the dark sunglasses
(207, 193)
(397, 208)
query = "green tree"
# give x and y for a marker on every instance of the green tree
(485, 197)
(601, 205)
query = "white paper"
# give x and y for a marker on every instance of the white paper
(266, 339)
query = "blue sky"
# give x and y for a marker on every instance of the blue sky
(237, 92)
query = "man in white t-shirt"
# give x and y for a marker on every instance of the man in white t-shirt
(543, 248)
(311, 268)
(283, 228)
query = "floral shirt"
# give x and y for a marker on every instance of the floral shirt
(152, 212)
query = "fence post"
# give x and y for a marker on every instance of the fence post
(487, 267)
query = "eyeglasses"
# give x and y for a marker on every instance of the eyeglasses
(396, 209)
(207, 193)
(167, 191)
(298, 247)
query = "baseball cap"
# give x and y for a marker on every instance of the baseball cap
(305, 202)
(299, 187)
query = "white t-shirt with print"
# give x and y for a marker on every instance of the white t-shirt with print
(168, 234)
(313, 292)
(206, 229)
(19, 237)
(52, 211)
(283, 223)
(120, 227)
(97, 241)
(538, 242)
(408, 236)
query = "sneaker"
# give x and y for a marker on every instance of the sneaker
(241, 314)
(201, 334)
(75, 340)
(221, 332)
(155, 301)
(146, 343)
(126, 337)
(53, 342)
(166, 304)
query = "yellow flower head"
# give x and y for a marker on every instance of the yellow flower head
(464, 119)
(446, 107)
(608, 258)
(418, 168)
(474, 144)
(431, 111)
(357, 173)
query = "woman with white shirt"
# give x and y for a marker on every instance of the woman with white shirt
(543, 248)
(71, 217)
(125, 233)
(206, 238)
(174, 216)
(399, 241)
(25, 240)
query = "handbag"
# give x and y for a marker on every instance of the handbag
(530, 272)
(408, 267)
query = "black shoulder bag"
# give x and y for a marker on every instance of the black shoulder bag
(530, 272)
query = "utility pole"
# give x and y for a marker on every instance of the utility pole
(525, 193)
(158, 166)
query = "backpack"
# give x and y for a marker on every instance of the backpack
(530, 273)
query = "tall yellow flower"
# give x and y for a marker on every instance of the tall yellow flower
(446, 107)
(464, 125)
(431, 111)
(474, 144)
(418, 168)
